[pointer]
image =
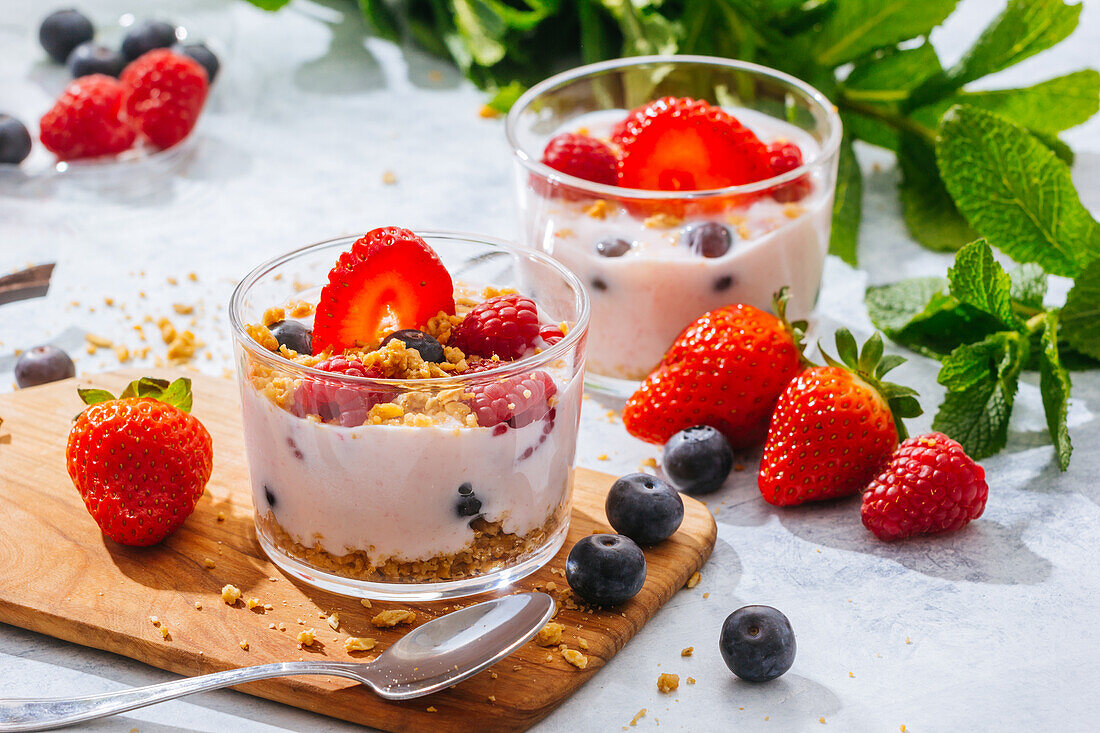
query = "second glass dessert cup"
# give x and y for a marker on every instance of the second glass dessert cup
(387, 488)
(655, 260)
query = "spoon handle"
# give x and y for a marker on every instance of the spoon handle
(25, 714)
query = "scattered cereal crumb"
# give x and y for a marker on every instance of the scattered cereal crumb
(432, 709)
(231, 594)
(253, 602)
(694, 579)
(549, 635)
(164, 634)
(364, 601)
(359, 644)
(389, 178)
(582, 643)
(493, 675)
(208, 563)
(603, 457)
(597, 210)
(650, 462)
(908, 640)
(668, 682)
(198, 605)
(821, 720)
(305, 638)
(851, 675)
(902, 728)
(706, 595)
(154, 621)
(637, 716)
(687, 651)
(243, 644)
(488, 112)
(333, 621)
(221, 516)
(662, 221)
(575, 658)
(393, 617)
(193, 277)
(183, 309)
(492, 698)
(173, 281)
(691, 680)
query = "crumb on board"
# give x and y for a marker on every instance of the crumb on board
(667, 682)
(575, 658)
(393, 617)
(359, 644)
(231, 593)
(243, 644)
(208, 563)
(333, 621)
(550, 634)
(306, 638)
(694, 579)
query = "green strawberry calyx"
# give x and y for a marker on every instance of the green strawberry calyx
(796, 329)
(871, 365)
(176, 393)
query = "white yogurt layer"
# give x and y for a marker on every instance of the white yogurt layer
(644, 298)
(392, 491)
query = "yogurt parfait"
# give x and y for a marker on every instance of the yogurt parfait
(673, 186)
(411, 405)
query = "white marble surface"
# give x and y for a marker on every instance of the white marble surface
(992, 628)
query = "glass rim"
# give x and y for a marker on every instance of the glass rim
(512, 368)
(828, 148)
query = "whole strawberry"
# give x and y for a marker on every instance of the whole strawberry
(725, 370)
(929, 486)
(86, 121)
(165, 92)
(139, 461)
(834, 426)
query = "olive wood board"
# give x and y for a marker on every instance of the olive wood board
(60, 576)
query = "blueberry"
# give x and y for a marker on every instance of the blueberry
(599, 284)
(43, 364)
(146, 36)
(710, 239)
(294, 335)
(697, 459)
(723, 283)
(612, 247)
(644, 508)
(15, 141)
(757, 643)
(62, 31)
(92, 58)
(468, 505)
(426, 345)
(203, 55)
(269, 495)
(605, 569)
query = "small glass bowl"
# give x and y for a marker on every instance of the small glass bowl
(421, 506)
(643, 298)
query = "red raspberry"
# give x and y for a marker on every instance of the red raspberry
(165, 94)
(929, 486)
(483, 365)
(85, 122)
(581, 156)
(551, 334)
(785, 156)
(336, 400)
(516, 401)
(506, 325)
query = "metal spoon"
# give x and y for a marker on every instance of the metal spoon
(427, 659)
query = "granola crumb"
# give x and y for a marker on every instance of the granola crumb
(231, 594)
(908, 640)
(488, 112)
(492, 698)
(662, 221)
(603, 457)
(389, 178)
(549, 635)
(821, 720)
(668, 682)
(432, 709)
(198, 605)
(706, 595)
(364, 601)
(164, 634)
(393, 617)
(221, 516)
(694, 579)
(333, 621)
(691, 680)
(208, 563)
(687, 651)
(575, 658)
(637, 716)
(359, 644)
(649, 463)
(493, 675)
(851, 676)
(305, 638)
(252, 603)
(597, 210)
(154, 621)
(582, 643)
(183, 309)
(243, 644)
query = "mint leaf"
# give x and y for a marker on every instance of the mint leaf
(1029, 285)
(869, 130)
(857, 27)
(1015, 192)
(847, 206)
(381, 18)
(1080, 317)
(979, 281)
(930, 214)
(503, 99)
(887, 76)
(921, 314)
(982, 379)
(1054, 385)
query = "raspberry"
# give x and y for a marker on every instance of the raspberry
(782, 157)
(86, 121)
(336, 400)
(581, 156)
(165, 94)
(551, 334)
(483, 365)
(506, 325)
(929, 486)
(516, 401)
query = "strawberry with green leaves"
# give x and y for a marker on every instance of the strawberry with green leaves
(835, 426)
(140, 461)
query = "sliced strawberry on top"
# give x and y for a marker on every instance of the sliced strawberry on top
(390, 277)
(688, 145)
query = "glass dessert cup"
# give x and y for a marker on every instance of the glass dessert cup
(411, 503)
(643, 298)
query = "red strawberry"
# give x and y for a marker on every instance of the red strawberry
(165, 92)
(834, 426)
(506, 326)
(140, 462)
(86, 120)
(390, 277)
(930, 486)
(336, 400)
(784, 156)
(581, 156)
(515, 401)
(725, 370)
(688, 145)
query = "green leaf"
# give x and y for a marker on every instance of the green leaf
(269, 4)
(847, 206)
(178, 394)
(930, 214)
(645, 31)
(1029, 285)
(982, 379)
(94, 396)
(887, 76)
(1080, 318)
(504, 97)
(381, 18)
(144, 387)
(857, 27)
(979, 281)
(1054, 385)
(1015, 192)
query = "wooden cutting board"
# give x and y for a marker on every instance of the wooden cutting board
(60, 576)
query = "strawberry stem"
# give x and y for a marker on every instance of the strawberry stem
(797, 329)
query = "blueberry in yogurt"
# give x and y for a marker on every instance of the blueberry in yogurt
(612, 247)
(709, 239)
(62, 31)
(92, 58)
(146, 36)
(468, 505)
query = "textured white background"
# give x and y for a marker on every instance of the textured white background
(990, 629)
